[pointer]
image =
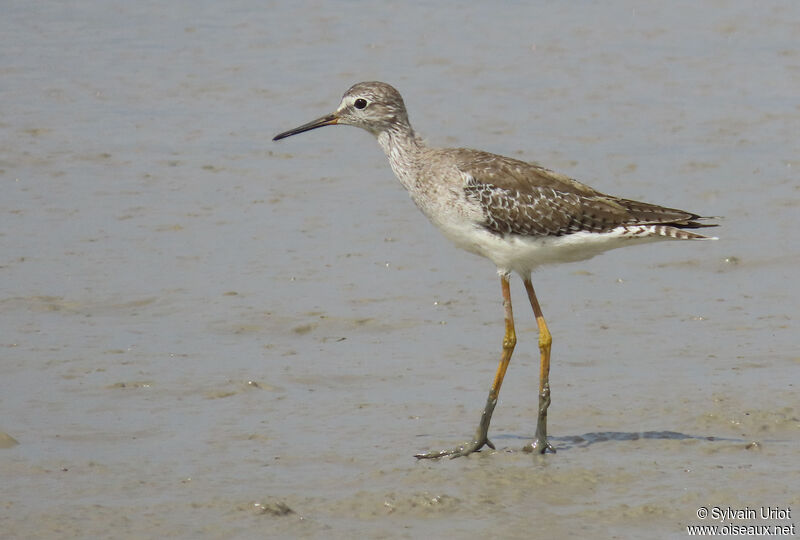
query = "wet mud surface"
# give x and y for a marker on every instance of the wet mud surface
(205, 334)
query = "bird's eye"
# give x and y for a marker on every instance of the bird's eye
(360, 103)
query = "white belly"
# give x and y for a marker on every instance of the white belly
(523, 254)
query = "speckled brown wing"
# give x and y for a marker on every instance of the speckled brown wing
(514, 174)
(525, 199)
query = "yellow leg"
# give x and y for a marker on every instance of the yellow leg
(540, 444)
(509, 340)
(481, 437)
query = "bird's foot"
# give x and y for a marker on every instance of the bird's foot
(459, 451)
(540, 445)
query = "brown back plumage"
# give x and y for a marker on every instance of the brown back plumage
(525, 199)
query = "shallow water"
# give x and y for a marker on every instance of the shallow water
(206, 334)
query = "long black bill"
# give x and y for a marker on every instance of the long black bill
(328, 120)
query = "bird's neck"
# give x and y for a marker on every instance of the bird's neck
(404, 149)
